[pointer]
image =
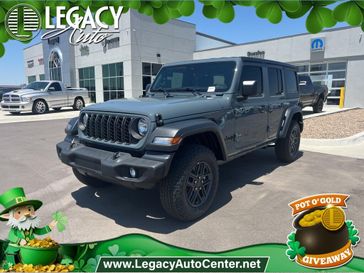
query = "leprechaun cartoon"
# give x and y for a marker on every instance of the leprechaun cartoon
(22, 219)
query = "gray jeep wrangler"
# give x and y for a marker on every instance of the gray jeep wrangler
(195, 116)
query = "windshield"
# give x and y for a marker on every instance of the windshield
(36, 85)
(202, 77)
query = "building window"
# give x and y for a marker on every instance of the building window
(303, 68)
(113, 43)
(41, 77)
(84, 50)
(41, 61)
(337, 66)
(31, 79)
(30, 63)
(86, 77)
(53, 41)
(113, 81)
(55, 66)
(149, 71)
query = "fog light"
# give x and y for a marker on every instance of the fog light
(132, 172)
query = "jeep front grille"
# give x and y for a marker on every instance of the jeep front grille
(110, 128)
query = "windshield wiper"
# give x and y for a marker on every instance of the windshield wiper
(164, 91)
(195, 91)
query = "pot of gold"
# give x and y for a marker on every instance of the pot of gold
(322, 230)
(39, 252)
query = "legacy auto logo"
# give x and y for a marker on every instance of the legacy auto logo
(71, 19)
(21, 21)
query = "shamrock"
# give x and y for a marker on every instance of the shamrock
(66, 260)
(353, 233)
(294, 247)
(61, 220)
(114, 251)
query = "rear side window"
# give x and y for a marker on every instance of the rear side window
(275, 81)
(253, 73)
(290, 80)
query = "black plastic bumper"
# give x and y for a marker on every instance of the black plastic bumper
(114, 167)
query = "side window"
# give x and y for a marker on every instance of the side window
(55, 87)
(252, 73)
(275, 81)
(290, 80)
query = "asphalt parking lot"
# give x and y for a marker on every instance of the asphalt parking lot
(251, 206)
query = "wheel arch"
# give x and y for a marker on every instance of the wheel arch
(199, 131)
(292, 113)
(41, 99)
(78, 97)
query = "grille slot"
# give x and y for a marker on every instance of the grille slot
(15, 98)
(11, 98)
(110, 128)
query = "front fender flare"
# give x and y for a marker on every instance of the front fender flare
(185, 129)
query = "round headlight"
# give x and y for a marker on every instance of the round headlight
(142, 127)
(82, 123)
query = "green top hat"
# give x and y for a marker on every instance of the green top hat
(15, 197)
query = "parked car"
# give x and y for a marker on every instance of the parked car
(196, 115)
(312, 94)
(40, 96)
(7, 88)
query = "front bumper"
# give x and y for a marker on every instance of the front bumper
(16, 106)
(114, 167)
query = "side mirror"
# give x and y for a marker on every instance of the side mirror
(250, 88)
(303, 83)
(147, 88)
(51, 89)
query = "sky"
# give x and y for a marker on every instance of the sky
(246, 27)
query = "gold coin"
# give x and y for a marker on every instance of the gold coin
(333, 218)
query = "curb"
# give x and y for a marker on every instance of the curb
(329, 113)
(355, 139)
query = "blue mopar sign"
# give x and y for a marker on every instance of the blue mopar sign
(318, 44)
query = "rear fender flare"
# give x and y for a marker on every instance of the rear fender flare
(287, 119)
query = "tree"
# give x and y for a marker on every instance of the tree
(319, 13)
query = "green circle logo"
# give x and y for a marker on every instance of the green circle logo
(21, 21)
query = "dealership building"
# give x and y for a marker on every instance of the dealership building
(127, 61)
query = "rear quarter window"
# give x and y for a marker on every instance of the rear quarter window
(290, 80)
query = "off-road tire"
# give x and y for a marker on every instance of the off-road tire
(40, 107)
(57, 109)
(78, 104)
(287, 148)
(176, 193)
(318, 106)
(89, 180)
